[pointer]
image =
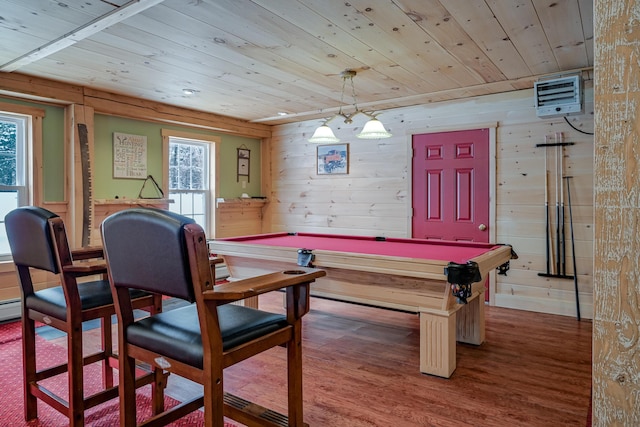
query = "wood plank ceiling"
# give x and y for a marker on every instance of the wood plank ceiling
(253, 59)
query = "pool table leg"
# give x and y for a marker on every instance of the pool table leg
(440, 330)
(250, 302)
(470, 324)
(438, 343)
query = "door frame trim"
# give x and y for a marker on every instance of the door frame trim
(492, 126)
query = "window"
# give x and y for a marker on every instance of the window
(14, 166)
(189, 179)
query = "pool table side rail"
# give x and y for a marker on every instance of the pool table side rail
(494, 258)
(402, 266)
(411, 294)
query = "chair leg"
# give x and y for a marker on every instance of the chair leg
(127, 394)
(75, 366)
(160, 378)
(213, 397)
(29, 367)
(294, 377)
(107, 347)
(157, 390)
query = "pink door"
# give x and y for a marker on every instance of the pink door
(451, 186)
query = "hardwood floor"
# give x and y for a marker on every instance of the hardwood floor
(361, 369)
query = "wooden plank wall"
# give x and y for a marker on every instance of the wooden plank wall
(375, 197)
(102, 208)
(238, 217)
(616, 389)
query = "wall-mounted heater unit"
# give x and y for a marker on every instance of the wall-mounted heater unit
(558, 97)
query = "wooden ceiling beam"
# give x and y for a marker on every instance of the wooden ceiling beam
(95, 26)
(136, 108)
(40, 89)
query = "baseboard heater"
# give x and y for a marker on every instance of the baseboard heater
(9, 310)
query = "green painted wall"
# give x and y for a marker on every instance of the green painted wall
(106, 187)
(52, 149)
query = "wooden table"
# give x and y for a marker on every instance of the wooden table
(403, 274)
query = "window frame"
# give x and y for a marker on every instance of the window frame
(31, 189)
(23, 146)
(210, 211)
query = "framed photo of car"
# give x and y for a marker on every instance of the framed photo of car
(333, 159)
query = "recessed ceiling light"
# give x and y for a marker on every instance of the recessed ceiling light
(282, 113)
(188, 91)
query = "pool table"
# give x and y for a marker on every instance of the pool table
(405, 274)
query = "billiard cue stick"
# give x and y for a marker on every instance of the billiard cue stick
(557, 212)
(546, 208)
(573, 250)
(563, 247)
(548, 236)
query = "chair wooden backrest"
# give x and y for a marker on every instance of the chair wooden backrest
(30, 238)
(149, 251)
(38, 241)
(163, 252)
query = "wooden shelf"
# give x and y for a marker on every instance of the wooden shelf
(132, 201)
(246, 201)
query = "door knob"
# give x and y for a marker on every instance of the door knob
(482, 227)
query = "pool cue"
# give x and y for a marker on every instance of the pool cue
(546, 208)
(573, 250)
(557, 255)
(563, 248)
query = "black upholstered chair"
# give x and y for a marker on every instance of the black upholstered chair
(166, 253)
(38, 241)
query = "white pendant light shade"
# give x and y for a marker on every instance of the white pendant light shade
(373, 129)
(323, 134)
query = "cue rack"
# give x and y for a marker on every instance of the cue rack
(556, 248)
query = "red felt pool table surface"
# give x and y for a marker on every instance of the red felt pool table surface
(459, 252)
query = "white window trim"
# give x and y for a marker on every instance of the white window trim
(213, 168)
(33, 130)
(23, 150)
(31, 154)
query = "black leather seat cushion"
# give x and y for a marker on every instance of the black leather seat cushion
(176, 333)
(92, 294)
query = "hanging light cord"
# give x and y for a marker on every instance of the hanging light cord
(353, 94)
(344, 82)
(348, 117)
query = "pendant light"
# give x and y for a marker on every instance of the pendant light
(323, 134)
(373, 129)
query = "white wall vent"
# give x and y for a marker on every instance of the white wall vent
(558, 97)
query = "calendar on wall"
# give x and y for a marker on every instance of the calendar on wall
(129, 156)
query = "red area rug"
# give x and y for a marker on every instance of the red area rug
(105, 415)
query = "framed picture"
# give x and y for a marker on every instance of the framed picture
(244, 153)
(244, 158)
(129, 156)
(333, 159)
